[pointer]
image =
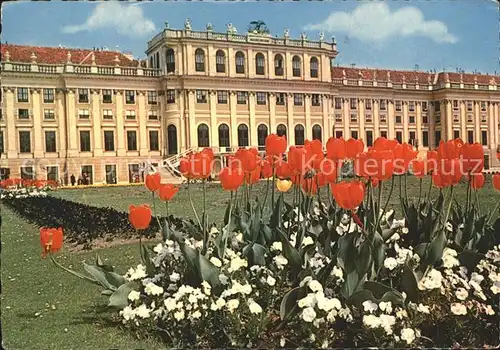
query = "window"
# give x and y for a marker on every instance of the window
(470, 119)
(425, 119)
(2, 150)
(222, 97)
(484, 137)
(338, 117)
(109, 140)
(259, 64)
(261, 98)
(199, 58)
(456, 134)
(134, 173)
(261, 136)
(383, 118)
(85, 141)
(297, 99)
(315, 101)
(242, 135)
(296, 66)
(316, 132)
(48, 95)
(354, 134)
(83, 114)
(412, 138)
(27, 173)
(411, 106)
(130, 114)
(383, 133)
(469, 106)
(437, 106)
(399, 136)
(152, 97)
(368, 104)
(398, 106)
(129, 97)
(220, 61)
(369, 138)
(339, 134)
(50, 141)
(280, 99)
(223, 135)
(424, 106)
(455, 104)
(154, 144)
(281, 130)
(353, 103)
(368, 118)
(203, 136)
(338, 103)
(107, 114)
(107, 96)
(470, 136)
(170, 96)
(437, 134)
(52, 173)
(83, 95)
(398, 119)
(201, 96)
(354, 117)
(455, 118)
(170, 61)
(425, 138)
(299, 135)
(412, 119)
(48, 114)
(153, 115)
(383, 105)
(132, 140)
(278, 65)
(241, 97)
(240, 62)
(110, 174)
(314, 66)
(23, 113)
(4, 173)
(22, 95)
(483, 106)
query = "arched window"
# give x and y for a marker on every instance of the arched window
(260, 63)
(203, 137)
(296, 66)
(224, 135)
(299, 134)
(172, 139)
(199, 58)
(278, 65)
(316, 132)
(240, 62)
(220, 61)
(281, 130)
(170, 60)
(314, 67)
(261, 136)
(242, 135)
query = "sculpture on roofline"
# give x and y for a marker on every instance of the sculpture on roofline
(258, 27)
(321, 36)
(303, 36)
(231, 29)
(209, 27)
(187, 24)
(286, 33)
(166, 25)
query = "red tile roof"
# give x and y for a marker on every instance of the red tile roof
(55, 55)
(410, 77)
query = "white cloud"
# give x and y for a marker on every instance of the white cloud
(376, 22)
(127, 20)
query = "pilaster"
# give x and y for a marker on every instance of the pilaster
(10, 132)
(449, 120)
(96, 122)
(308, 127)
(406, 131)
(252, 127)
(391, 134)
(73, 136)
(192, 140)
(214, 137)
(327, 127)
(376, 119)
(477, 122)
(120, 124)
(361, 113)
(419, 123)
(143, 120)
(61, 122)
(272, 113)
(463, 128)
(346, 118)
(290, 129)
(491, 125)
(38, 137)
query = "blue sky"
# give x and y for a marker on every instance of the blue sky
(434, 34)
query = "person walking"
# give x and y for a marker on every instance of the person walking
(72, 179)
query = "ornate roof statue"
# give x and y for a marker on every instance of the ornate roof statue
(258, 27)
(303, 36)
(187, 24)
(321, 36)
(166, 25)
(33, 57)
(286, 33)
(231, 29)
(209, 27)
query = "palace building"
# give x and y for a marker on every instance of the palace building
(103, 113)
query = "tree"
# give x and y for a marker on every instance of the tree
(258, 27)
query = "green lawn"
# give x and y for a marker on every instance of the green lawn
(45, 308)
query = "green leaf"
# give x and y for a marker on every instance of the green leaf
(290, 252)
(394, 297)
(358, 298)
(208, 271)
(146, 258)
(277, 216)
(378, 289)
(98, 275)
(288, 304)
(102, 265)
(119, 299)
(255, 253)
(165, 230)
(364, 259)
(409, 284)
(469, 259)
(107, 292)
(434, 251)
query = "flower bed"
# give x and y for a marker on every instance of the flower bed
(19, 188)
(331, 268)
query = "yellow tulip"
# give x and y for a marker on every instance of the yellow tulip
(283, 185)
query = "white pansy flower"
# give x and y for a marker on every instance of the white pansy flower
(405, 230)
(153, 289)
(305, 281)
(308, 314)
(458, 309)
(254, 307)
(223, 279)
(390, 263)
(371, 321)
(138, 273)
(308, 301)
(158, 248)
(179, 315)
(271, 281)
(449, 258)
(489, 310)
(423, 308)
(237, 263)
(315, 286)
(307, 241)
(385, 306)
(387, 322)
(174, 277)
(495, 288)
(134, 295)
(196, 314)
(232, 304)
(278, 246)
(432, 280)
(337, 272)
(170, 304)
(340, 230)
(280, 261)
(408, 335)
(128, 313)
(461, 293)
(142, 311)
(215, 261)
(401, 313)
(370, 306)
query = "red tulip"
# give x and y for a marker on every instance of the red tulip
(496, 181)
(375, 164)
(419, 168)
(472, 158)
(300, 160)
(448, 175)
(249, 159)
(328, 170)
(403, 155)
(353, 147)
(275, 145)
(139, 216)
(51, 240)
(449, 149)
(335, 148)
(153, 181)
(432, 161)
(310, 186)
(349, 195)
(231, 179)
(267, 170)
(167, 192)
(197, 165)
(253, 177)
(476, 181)
(283, 170)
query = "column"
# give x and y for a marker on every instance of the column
(96, 122)
(38, 136)
(182, 121)
(391, 134)
(291, 130)
(463, 128)
(191, 120)
(327, 128)
(10, 132)
(376, 119)
(361, 111)
(73, 136)
(419, 123)
(449, 120)
(497, 141)
(431, 113)
(288, 65)
(214, 137)
(120, 127)
(270, 64)
(406, 123)
(272, 113)
(250, 64)
(230, 62)
(477, 121)
(61, 122)
(346, 118)
(252, 127)
(491, 126)
(210, 61)
(308, 127)
(143, 119)
(233, 125)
